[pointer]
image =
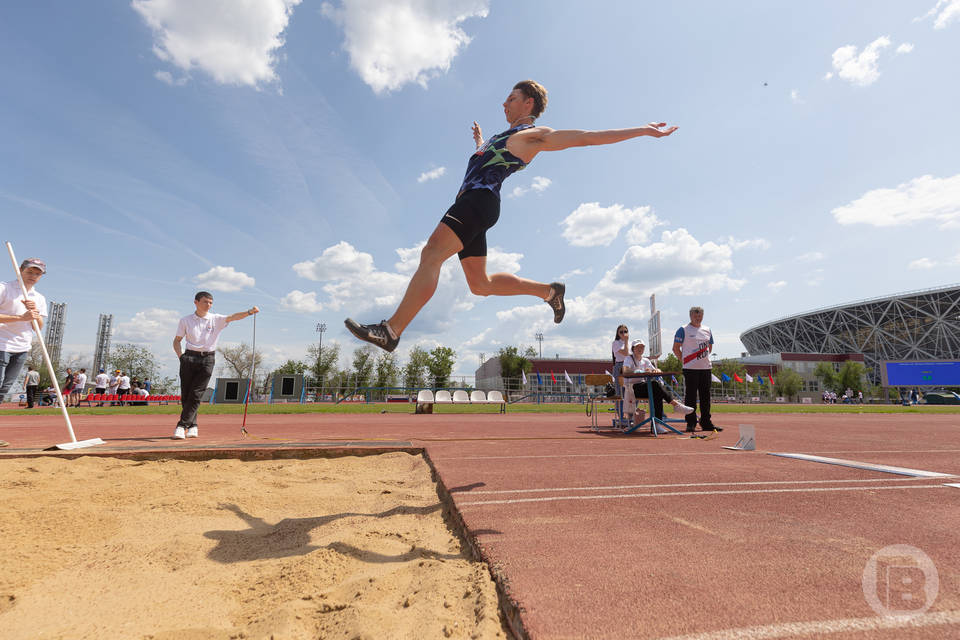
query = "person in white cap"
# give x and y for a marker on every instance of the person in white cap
(638, 363)
(17, 311)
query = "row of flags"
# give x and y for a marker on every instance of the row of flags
(736, 378)
(723, 378)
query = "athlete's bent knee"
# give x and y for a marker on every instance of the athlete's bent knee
(479, 286)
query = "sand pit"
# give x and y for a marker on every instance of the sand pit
(352, 547)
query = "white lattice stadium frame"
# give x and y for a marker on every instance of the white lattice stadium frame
(916, 325)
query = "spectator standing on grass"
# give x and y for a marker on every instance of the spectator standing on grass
(112, 385)
(693, 344)
(101, 381)
(123, 385)
(79, 383)
(199, 333)
(31, 383)
(67, 385)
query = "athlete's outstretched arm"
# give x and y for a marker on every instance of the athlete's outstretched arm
(527, 144)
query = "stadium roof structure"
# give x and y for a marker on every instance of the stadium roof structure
(916, 325)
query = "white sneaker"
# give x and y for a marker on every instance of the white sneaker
(682, 409)
(192, 432)
(179, 433)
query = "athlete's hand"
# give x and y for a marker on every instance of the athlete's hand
(477, 134)
(658, 131)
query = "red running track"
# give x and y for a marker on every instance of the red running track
(611, 536)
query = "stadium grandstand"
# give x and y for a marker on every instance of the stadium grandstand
(916, 325)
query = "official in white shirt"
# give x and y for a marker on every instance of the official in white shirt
(198, 332)
(17, 311)
(693, 345)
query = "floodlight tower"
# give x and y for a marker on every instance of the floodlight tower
(538, 336)
(55, 325)
(101, 348)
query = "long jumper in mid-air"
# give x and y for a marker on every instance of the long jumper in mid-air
(462, 229)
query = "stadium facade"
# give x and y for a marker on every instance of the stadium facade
(916, 325)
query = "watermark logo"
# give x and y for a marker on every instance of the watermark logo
(900, 580)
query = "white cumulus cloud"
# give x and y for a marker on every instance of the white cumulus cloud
(591, 225)
(860, 68)
(921, 199)
(433, 174)
(392, 43)
(946, 11)
(539, 184)
(776, 286)
(224, 279)
(922, 263)
(906, 47)
(149, 325)
(301, 302)
(235, 42)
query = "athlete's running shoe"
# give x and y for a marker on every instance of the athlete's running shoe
(377, 334)
(556, 302)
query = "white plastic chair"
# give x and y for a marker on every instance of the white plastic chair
(478, 397)
(461, 396)
(425, 395)
(495, 397)
(443, 397)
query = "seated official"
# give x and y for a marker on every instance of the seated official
(636, 362)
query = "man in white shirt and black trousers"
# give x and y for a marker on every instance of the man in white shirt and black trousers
(693, 344)
(199, 332)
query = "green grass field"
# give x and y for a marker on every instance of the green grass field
(394, 407)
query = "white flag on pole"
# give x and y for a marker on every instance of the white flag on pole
(714, 378)
(524, 374)
(748, 377)
(567, 376)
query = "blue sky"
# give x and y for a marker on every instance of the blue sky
(296, 154)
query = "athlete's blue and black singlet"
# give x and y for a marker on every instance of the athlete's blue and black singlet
(478, 202)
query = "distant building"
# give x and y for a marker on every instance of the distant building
(802, 363)
(488, 376)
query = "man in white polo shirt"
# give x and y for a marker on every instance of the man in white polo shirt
(693, 344)
(199, 332)
(16, 314)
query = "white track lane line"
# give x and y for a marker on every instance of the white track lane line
(687, 484)
(621, 496)
(866, 466)
(848, 625)
(675, 453)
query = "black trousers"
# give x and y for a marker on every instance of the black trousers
(660, 393)
(697, 382)
(195, 372)
(31, 395)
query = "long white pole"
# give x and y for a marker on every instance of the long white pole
(43, 347)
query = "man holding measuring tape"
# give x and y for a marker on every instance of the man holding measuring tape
(693, 344)
(199, 332)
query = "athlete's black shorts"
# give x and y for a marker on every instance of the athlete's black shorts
(471, 215)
